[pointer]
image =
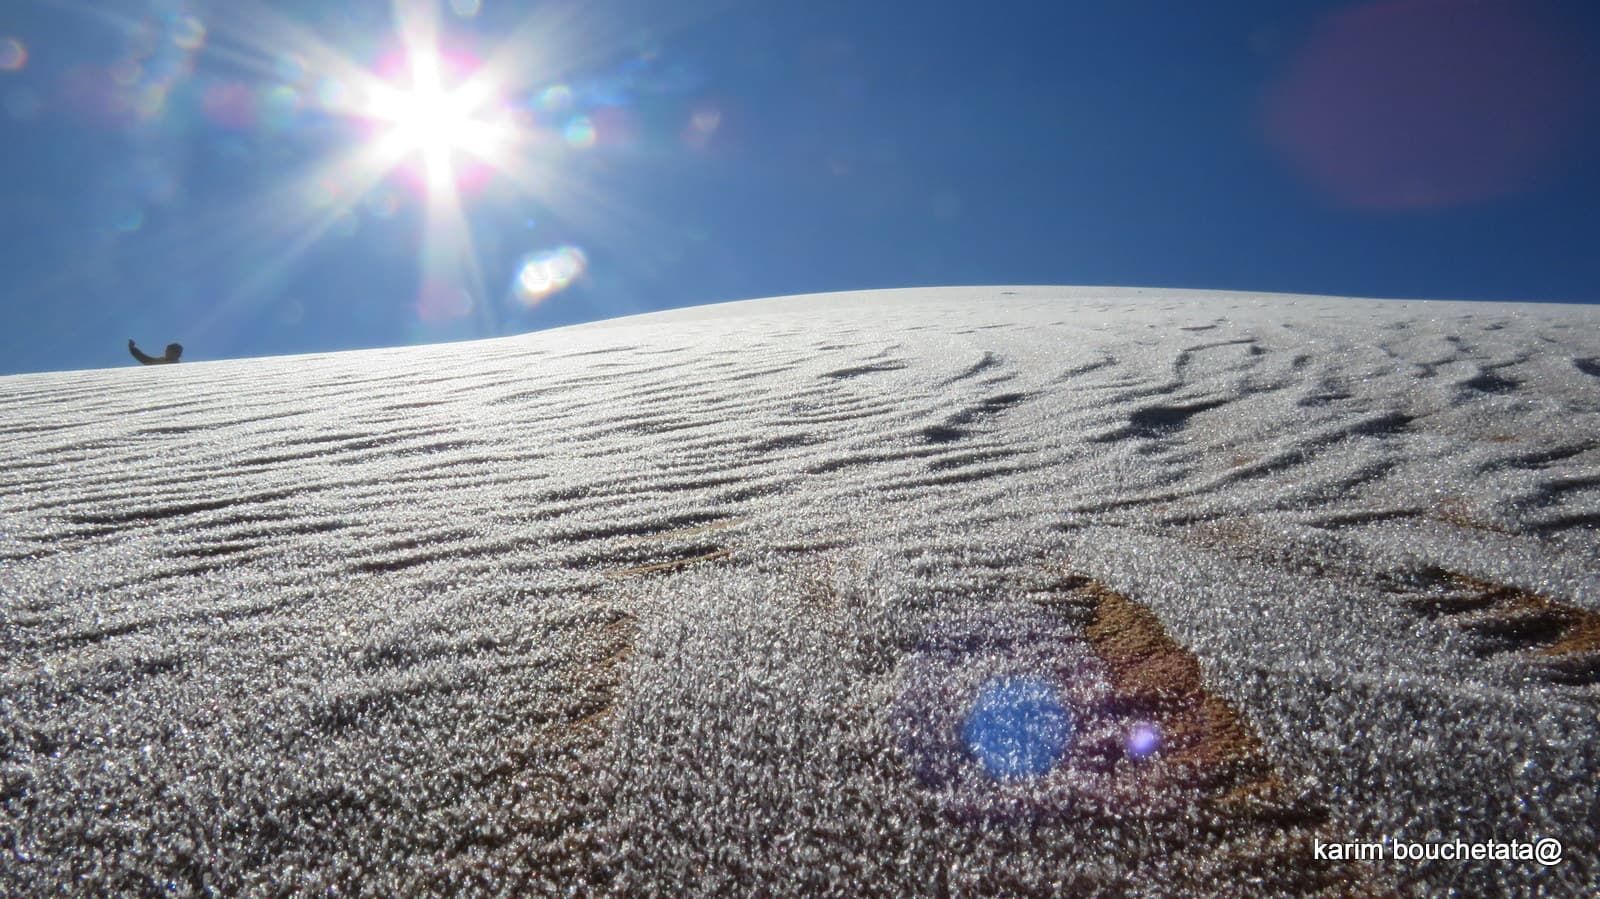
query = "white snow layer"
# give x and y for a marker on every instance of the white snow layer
(965, 591)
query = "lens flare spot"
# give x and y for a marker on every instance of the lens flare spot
(580, 133)
(332, 95)
(279, 106)
(1018, 728)
(706, 120)
(189, 33)
(1421, 104)
(548, 273)
(128, 219)
(466, 9)
(1144, 740)
(13, 55)
(703, 124)
(555, 98)
(150, 102)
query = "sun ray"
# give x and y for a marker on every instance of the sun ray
(271, 229)
(256, 29)
(291, 225)
(574, 36)
(430, 115)
(448, 250)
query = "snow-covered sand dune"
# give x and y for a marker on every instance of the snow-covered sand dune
(976, 591)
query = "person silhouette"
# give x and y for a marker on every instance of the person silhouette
(173, 352)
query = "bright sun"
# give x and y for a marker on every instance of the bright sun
(452, 122)
(437, 122)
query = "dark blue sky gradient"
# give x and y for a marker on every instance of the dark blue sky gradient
(154, 180)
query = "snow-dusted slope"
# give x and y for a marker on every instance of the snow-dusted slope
(978, 591)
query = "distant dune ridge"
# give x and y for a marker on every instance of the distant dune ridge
(964, 591)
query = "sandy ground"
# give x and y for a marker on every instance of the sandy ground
(970, 591)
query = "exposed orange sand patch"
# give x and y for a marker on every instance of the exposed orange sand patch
(1269, 830)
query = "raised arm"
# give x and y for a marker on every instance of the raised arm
(144, 358)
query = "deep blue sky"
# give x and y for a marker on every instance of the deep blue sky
(164, 163)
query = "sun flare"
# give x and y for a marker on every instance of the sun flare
(436, 122)
(431, 117)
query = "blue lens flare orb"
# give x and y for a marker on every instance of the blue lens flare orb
(1018, 728)
(1143, 740)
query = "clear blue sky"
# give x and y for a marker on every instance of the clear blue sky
(282, 177)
